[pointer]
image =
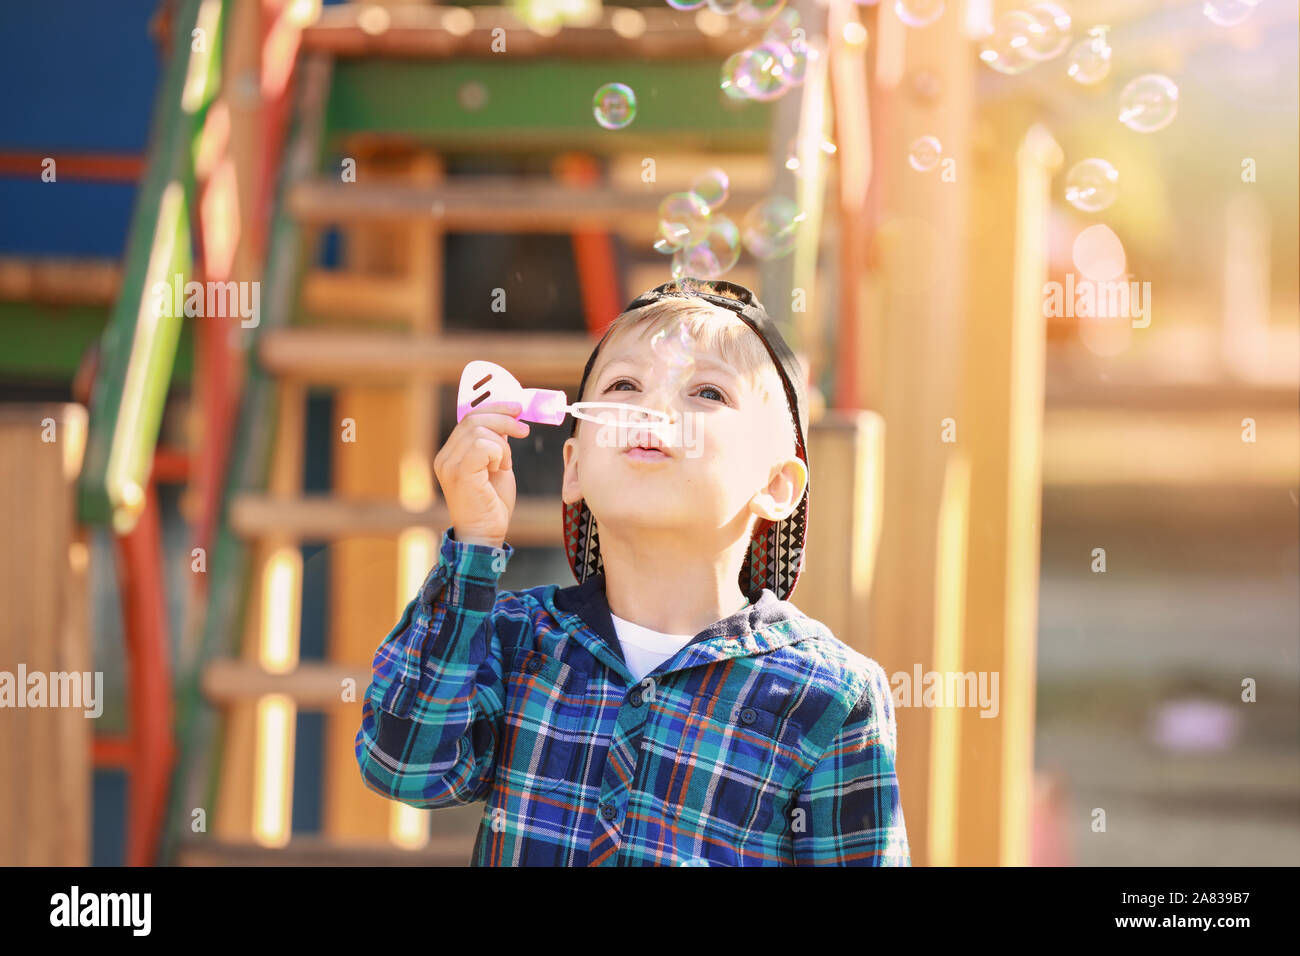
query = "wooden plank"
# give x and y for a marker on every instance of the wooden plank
(486, 204)
(363, 576)
(312, 684)
(45, 751)
(354, 356)
(444, 850)
(402, 457)
(906, 361)
(1171, 448)
(355, 296)
(1001, 421)
(845, 449)
(429, 32)
(498, 104)
(536, 521)
(60, 281)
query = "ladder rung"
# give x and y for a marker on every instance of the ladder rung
(61, 281)
(537, 521)
(332, 293)
(489, 204)
(427, 32)
(441, 850)
(312, 684)
(344, 355)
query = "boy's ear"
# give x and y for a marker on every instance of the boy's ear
(784, 491)
(570, 493)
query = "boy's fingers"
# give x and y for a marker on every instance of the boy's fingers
(500, 423)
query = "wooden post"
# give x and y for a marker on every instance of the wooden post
(1002, 415)
(45, 762)
(392, 459)
(908, 357)
(846, 450)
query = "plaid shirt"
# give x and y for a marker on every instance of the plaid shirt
(763, 742)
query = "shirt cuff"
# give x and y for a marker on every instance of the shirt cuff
(469, 572)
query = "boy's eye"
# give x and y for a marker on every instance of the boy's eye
(717, 395)
(710, 388)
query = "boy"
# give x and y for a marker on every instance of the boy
(672, 708)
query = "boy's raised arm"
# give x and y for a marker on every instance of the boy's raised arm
(431, 720)
(431, 716)
(852, 810)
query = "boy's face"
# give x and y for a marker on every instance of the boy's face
(725, 458)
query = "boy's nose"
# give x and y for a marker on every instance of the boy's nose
(662, 398)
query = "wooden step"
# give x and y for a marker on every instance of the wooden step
(328, 293)
(536, 522)
(334, 355)
(441, 850)
(489, 204)
(312, 684)
(59, 281)
(431, 32)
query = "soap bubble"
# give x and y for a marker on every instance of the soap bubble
(614, 105)
(796, 63)
(918, 13)
(716, 254)
(758, 11)
(1007, 48)
(923, 155)
(1228, 13)
(769, 228)
(781, 30)
(1050, 34)
(757, 73)
(674, 350)
(1090, 58)
(1091, 185)
(724, 7)
(711, 188)
(683, 218)
(1149, 103)
(686, 4)
(792, 161)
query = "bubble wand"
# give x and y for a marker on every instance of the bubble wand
(482, 382)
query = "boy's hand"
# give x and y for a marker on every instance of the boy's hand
(474, 469)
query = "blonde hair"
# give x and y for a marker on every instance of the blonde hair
(714, 329)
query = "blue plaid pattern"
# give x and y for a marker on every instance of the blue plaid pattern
(763, 742)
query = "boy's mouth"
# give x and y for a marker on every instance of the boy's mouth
(644, 446)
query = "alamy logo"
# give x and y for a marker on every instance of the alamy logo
(56, 689)
(102, 909)
(1098, 299)
(946, 689)
(213, 300)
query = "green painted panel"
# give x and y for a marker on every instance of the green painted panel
(542, 100)
(45, 343)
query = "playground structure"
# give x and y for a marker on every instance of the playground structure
(251, 134)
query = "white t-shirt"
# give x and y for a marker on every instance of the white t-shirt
(644, 649)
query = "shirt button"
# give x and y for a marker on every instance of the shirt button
(635, 699)
(609, 811)
(748, 716)
(534, 665)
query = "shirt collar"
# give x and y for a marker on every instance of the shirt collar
(583, 611)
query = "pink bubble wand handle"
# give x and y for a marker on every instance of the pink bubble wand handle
(486, 382)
